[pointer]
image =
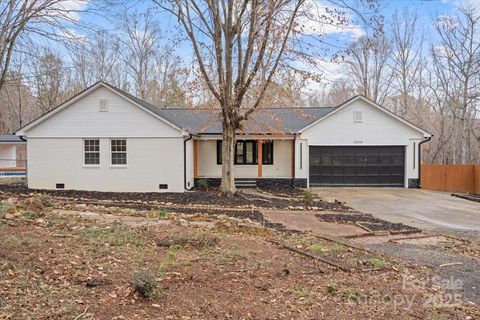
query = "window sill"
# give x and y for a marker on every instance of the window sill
(119, 166)
(93, 166)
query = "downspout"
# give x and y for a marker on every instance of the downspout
(26, 162)
(420, 160)
(185, 161)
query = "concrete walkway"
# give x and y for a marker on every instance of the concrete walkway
(307, 222)
(418, 208)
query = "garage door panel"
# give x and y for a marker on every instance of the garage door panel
(357, 166)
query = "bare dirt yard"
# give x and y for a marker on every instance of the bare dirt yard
(62, 258)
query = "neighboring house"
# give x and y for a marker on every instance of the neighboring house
(10, 164)
(105, 139)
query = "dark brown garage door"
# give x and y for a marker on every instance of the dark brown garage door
(357, 166)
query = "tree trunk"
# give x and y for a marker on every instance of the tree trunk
(228, 155)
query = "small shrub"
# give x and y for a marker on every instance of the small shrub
(351, 294)
(169, 260)
(203, 184)
(331, 288)
(47, 201)
(308, 197)
(379, 263)
(162, 214)
(144, 284)
(3, 209)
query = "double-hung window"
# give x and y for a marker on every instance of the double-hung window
(119, 152)
(246, 152)
(91, 149)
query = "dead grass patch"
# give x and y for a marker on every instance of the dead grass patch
(115, 236)
(195, 239)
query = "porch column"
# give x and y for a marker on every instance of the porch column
(293, 159)
(259, 157)
(195, 158)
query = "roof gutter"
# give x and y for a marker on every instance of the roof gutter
(185, 161)
(420, 160)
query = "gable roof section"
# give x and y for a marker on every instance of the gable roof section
(137, 102)
(370, 102)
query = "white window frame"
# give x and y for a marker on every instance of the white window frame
(84, 152)
(111, 153)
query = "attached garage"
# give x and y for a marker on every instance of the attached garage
(375, 166)
(360, 144)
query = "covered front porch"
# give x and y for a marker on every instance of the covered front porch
(264, 160)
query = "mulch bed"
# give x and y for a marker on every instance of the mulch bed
(210, 197)
(367, 221)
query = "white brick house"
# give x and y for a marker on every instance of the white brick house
(104, 139)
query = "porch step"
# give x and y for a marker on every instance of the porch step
(245, 183)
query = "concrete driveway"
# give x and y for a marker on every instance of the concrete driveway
(418, 208)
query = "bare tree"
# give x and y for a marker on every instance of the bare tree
(439, 82)
(139, 47)
(21, 18)
(407, 60)
(49, 80)
(338, 92)
(367, 61)
(460, 52)
(97, 58)
(168, 78)
(247, 40)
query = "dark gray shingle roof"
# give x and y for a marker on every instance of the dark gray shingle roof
(272, 120)
(262, 121)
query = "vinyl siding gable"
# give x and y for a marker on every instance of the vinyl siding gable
(83, 119)
(375, 128)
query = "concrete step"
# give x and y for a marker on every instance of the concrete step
(245, 183)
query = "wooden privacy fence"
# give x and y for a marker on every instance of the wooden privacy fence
(451, 177)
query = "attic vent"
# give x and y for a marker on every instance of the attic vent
(103, 105)
(357, 116)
